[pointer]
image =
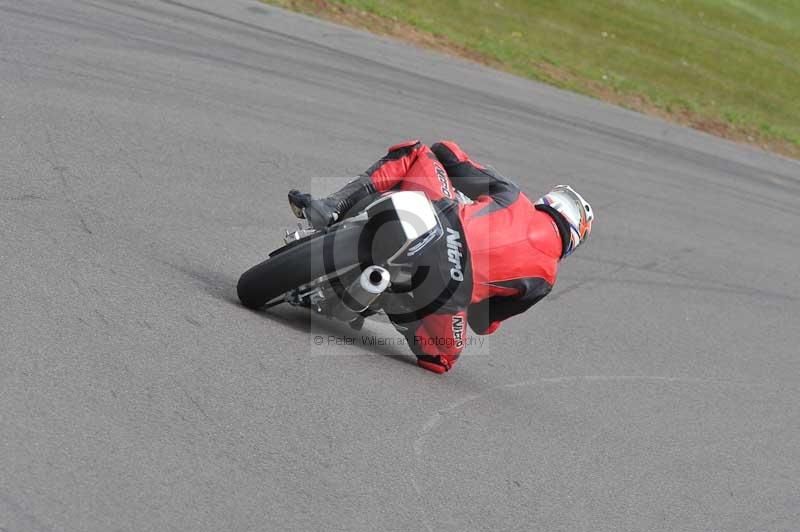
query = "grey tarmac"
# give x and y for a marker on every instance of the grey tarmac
(146, 148)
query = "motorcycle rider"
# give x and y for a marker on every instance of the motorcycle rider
(499, 255)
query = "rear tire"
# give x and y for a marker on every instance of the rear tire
(300, 263)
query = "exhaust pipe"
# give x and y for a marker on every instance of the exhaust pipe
(362, 292)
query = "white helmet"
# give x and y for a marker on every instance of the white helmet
(575, 210)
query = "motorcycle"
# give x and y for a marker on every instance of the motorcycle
(345, 271)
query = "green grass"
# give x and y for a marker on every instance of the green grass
(733, 61)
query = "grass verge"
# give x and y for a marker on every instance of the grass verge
(727, 67)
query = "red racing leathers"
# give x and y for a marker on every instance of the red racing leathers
(497, 258)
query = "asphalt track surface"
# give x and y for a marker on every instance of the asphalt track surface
(145, 151)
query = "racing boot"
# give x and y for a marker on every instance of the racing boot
(323, 212)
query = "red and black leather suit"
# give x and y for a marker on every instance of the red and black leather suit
(498, 257)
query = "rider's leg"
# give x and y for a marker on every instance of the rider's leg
(408, 166)
(325, 211)
(412, 166)
(429, 176)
